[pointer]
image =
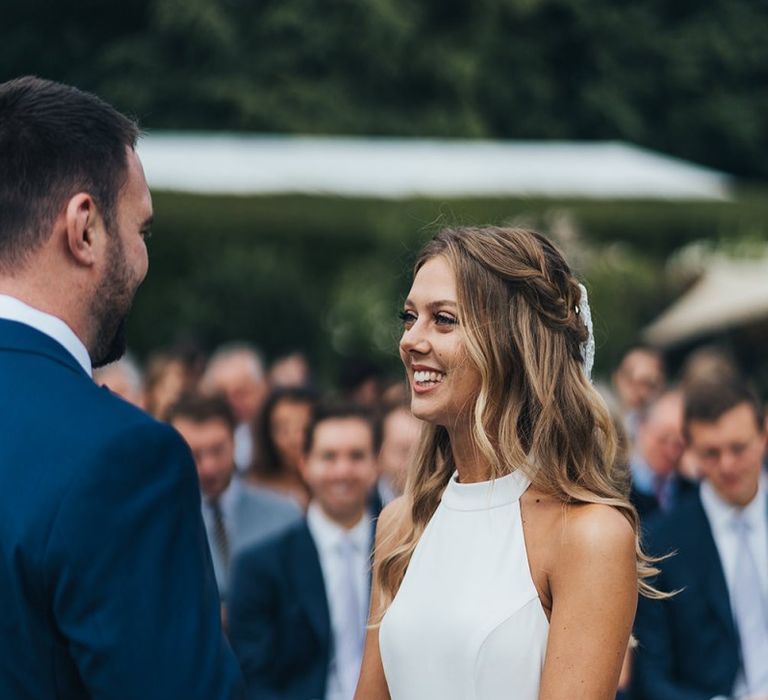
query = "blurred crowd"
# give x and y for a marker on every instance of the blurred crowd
(292, 482)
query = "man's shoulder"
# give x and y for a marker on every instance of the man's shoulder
(266, 502)
(277, 548)
(260, 515)
(121, 424)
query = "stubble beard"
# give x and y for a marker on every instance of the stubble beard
(110, 307)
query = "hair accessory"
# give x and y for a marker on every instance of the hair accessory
(588, 346)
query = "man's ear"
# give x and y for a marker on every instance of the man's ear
(83, 226)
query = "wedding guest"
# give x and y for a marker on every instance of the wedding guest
(657, 485)
(400, 436)
(123, 378)
(280, 434)
(291, 370)
(711, 639)
(511, 566)
(360, 380)
(236, 370)
(236, 515)
(165, 380)
(639, 378)
(706, 364)
(299, 602)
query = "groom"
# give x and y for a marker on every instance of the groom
(106, 585)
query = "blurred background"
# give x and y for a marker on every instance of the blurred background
(300, 152)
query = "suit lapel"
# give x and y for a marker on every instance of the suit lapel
(307, 576)
(710, 567)
(370, 559)
(238, 515)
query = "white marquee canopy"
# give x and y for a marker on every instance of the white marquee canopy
(398, 168)
(730, 293)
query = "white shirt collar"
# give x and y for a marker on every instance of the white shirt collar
(328, 534)
(13, 309)
(722, 514)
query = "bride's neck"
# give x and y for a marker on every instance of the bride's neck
(469, 460)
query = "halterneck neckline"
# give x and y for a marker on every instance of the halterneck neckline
(482, 495)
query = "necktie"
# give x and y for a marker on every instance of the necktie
(661, 489)
(220, 537)
(349, 645)
(750, 611)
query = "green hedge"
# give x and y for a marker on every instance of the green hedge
(328, 275)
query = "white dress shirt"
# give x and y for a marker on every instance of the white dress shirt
(386, 493)
(13, 309)
(327, 535)
(721, 517)
(243, 447)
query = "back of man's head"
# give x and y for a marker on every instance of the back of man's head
(55, 141)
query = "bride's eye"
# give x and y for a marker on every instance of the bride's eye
(445, 320)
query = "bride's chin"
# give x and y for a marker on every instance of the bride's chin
(424, 413)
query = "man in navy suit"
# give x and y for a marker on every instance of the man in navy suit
(299, 602)
(657, 485)
(106, 583)
(710, 640)
(235, 514)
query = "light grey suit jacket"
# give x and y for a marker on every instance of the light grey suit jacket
(251, 514)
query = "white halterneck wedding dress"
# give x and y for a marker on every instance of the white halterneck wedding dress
(467, 623)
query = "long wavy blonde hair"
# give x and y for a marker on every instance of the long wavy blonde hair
(536, 409)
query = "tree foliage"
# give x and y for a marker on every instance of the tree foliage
(688, 78)
(329, 275)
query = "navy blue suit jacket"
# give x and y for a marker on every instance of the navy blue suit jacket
(688, 645)
(106, 584)
(279, 621)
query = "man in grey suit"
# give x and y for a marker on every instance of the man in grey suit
(236, 514)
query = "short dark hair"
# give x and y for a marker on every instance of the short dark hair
(339, 411)
(646, 349)
(55, 141)
(357, 369)
(708, 401)
(200, 408)
(267, 461)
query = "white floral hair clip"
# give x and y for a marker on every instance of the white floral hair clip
(588, 346)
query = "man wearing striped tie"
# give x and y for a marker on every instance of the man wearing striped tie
(299, 602)
(710, 641)
(236, 514)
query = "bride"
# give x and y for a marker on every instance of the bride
(511, 567)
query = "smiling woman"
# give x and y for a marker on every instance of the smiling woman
(443, 381)
(511, 566)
